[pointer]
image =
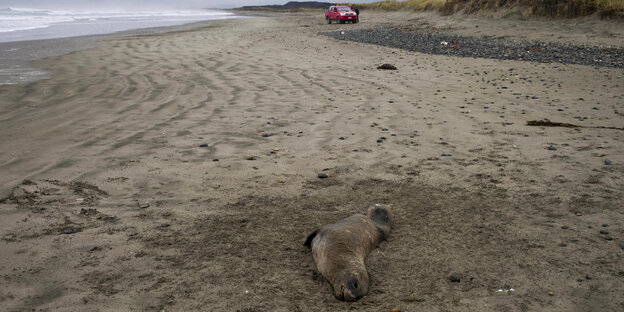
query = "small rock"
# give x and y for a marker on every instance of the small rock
(607, 162)
(565, 227)
(70, 231)
(322, 176)
(379, 140)
(446, 155)
(550, 293)
(562, 245)
(251, 158)
(341, 138)
(609, 238)
(605, 232)
(216, 159)
(203, 145)
(551, 148)
(396, 309)
(588, 277)
(622, 245)
(281, 181)
(143, 206)
(605, 225)
(266, 135)
(387, 67)
(455, 278)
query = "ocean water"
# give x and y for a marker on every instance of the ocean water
(20, 24)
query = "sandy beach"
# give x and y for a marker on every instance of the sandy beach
(179, 171)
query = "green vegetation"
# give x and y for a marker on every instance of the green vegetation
(561, 8)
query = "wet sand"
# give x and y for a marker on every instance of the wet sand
(183, 168)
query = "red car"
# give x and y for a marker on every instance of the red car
(341, 14)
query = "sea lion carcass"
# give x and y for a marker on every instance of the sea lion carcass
(340, 249)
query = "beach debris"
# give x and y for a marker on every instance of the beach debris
(548, 123)
(323, 176)
(276, 149)
(387, 67)
(70, 231)
(88, 212)
(506, 290)
(396, 309)
(444, 43)
(607, 162)
(455, 278)
(143, 206)
(551, 148)
(251, 158)
(203, 145)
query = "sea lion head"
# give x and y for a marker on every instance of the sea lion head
(351, 285)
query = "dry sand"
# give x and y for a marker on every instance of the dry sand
(110, 145)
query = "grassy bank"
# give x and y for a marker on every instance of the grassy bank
(558, 8)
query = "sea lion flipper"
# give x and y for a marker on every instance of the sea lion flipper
(308, 242)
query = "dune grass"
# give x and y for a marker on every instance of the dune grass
(562, 8)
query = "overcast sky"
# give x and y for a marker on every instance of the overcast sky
(139, 4)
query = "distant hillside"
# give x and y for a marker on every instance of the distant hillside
(290, 6)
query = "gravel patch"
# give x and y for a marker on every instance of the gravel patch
(424, 41)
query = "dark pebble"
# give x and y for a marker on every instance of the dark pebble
(607, 162)
(203, 145)
(622, 245)
(562, 245)
(387, 67)
(379, 140)
(564, 227)
(609, 238)
(551, 148)
(341, 138)
(446, 155)
(216, 159)
(588, 277)
(70, 231)
(455, 278)
(605, 225)
(322, 176)
(605, 232)
(266, 135)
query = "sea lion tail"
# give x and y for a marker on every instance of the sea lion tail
(308, 242)
(380, 216)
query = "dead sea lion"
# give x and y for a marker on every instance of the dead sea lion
(340, 249)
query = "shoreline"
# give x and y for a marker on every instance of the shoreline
(15, 56)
